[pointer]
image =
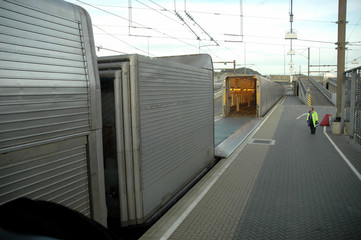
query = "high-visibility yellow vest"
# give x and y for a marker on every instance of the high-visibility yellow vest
(314, 117)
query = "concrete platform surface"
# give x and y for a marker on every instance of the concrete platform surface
(231, 132)
(281, 183)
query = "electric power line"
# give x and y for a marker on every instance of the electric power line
(308, 40)
(121, 40)
(159, 11)
(353, 29)
(116, 15)
(228, 14)
(183, 39)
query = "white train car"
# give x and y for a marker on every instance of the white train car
(158, 130)
(156, 123)
(249, 95)
(50, 115)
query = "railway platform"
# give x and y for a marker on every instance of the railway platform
(281, 183)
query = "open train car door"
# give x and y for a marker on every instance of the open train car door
(240, 96)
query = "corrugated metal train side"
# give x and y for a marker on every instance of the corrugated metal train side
(56, 114)
(124, 141)
(50, 107)
(166, 131)
(269, 93)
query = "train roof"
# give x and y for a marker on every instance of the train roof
(196, 60)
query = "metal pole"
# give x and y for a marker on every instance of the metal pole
(319, 60)
(130, 15)
(148, 46)
(291, 21)
(340, 53)
(308, 64)
(291, 15)
(244, 58)
(241, 17)
(284, 60)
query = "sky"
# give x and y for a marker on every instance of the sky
(249, 32)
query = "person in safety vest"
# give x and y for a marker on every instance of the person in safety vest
(312, 119)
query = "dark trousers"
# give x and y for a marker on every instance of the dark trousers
(313, 129)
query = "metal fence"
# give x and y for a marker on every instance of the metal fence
(351, 103)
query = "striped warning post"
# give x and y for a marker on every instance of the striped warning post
(309, 100)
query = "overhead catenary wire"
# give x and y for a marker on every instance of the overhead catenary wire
(185, 23)
(166, 10)
(194, 21)
(246, 36)
(317, 41)
(136, 23)
(349, 36)
(182, 19)
(157, 29)
(121, 40)
(162, 9)
(228, 14)
(108, 49)
(116, 15)
(224, 40)
(159, 11)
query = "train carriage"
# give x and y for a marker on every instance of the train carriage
(50, 121)
(118, 137)
(161, 110)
